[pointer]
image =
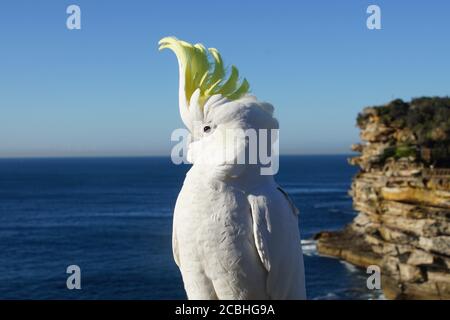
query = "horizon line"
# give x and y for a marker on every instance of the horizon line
(152, 156)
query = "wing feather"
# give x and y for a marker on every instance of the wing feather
(176, 255)
(277, 240)
(261, 228)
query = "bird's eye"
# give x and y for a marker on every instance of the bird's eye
(206, 129)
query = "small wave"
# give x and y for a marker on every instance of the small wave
(293, 190)
(139, 214)
(351, 293)
(309, 247)
(381, 296)
(328, 296)
(332, 204)
(316, 184)
(350, 268)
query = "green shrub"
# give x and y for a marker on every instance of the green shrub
(404, 152)
(428, 118)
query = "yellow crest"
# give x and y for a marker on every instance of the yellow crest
(203, 69)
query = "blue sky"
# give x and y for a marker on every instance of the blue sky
(106, 90)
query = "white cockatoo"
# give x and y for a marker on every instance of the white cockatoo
(235, 231)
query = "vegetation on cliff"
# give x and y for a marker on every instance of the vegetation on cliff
(424, 122)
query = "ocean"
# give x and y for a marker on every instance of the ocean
(113, 218)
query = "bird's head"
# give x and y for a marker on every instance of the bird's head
(216, 106)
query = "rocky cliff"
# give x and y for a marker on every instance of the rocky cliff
(402, 196)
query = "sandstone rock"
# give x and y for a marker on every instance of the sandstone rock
(392, 289)
(422, 291)
(348, 246)
(395, 236)
(391, 266)
(409, 273)
(402, 195)
(357, 147)
(376, 132)
(417, 227)
(435, 198)
(420, 257)
(437, 244)
(439, 277)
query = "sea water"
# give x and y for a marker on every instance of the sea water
(113, 218)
